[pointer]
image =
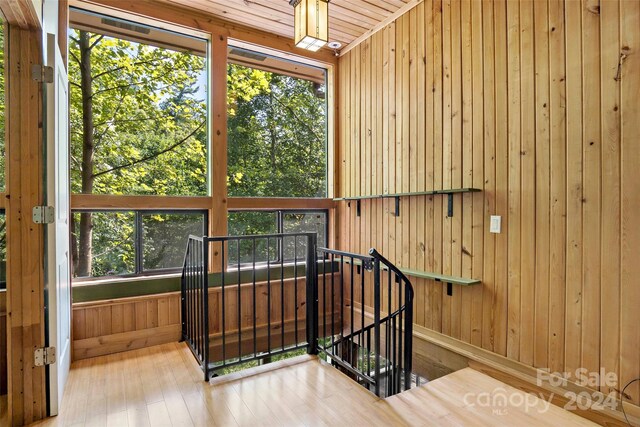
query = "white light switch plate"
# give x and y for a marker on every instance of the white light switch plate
(495, 224)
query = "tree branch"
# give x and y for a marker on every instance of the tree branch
(96, 42)
(75, 57)
(141, 119)
(152, 156)
(113, 70)
(298, 119)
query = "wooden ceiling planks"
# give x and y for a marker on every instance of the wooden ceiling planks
(348, 19)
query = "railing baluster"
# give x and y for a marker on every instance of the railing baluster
(255, 308)
(282, 242)
(333, 299)
(268, 295)
(295, 285)
(239, 306)
(205, 296)
(224, 304)
(362, 305)
(350, 343)
(324, 305)
(376, 320)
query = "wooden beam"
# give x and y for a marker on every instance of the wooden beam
(270, 203)
(218, 149)
(382, 24)
(22, 13)
(25, 240)
(147, 10)
(105, 201)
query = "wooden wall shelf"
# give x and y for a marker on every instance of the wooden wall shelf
(449, 193)
(449, 280)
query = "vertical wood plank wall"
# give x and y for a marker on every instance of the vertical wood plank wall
(535, 103)
(25, 240)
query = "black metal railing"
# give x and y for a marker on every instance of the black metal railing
(195, 300)
(356, 310)
(261, 301)
(374, 346)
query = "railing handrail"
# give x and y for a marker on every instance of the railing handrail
(258, 236)
(408, 286)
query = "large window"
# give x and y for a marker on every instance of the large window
(138, 109)
(277, 139)
(138, 117)
(135, 242)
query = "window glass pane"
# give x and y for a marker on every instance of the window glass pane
(164, 238)
(137, 110)
(3, 58)
(303, 222)
(276, 127)
(252, 223)
(3, 251)
(103, 244)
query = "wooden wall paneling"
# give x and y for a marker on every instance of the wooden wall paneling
(527, 182)
(366, 176)
(630, 135)
(356, 127)
(501, 298)
(574, 115)
(413, 153)
(426, 85)
(610, 186)
(416, 102)
(513, 135)
(477, 180)
(557, 256)
(457, 164)
(25, 248)
(489, 208)
(436, 304)
(542, 185)
(466, 141)
(502, 96)
(591, 153)
(445, 241)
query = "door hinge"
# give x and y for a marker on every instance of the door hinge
(44, 356)
(43, 214)
(42, 73)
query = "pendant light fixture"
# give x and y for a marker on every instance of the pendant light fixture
(311, 23)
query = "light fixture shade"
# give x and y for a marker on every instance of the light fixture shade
(311, 23)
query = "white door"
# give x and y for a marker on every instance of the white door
(58, 263)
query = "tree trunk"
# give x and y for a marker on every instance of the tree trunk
(85, 245)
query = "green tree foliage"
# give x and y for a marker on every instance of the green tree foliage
(148, 125)
(277, 135)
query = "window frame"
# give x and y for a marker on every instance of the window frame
(329, 106)
(216, 202)
(280, 213)
(138, 237)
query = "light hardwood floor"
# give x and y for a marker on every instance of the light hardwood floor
(162, 386)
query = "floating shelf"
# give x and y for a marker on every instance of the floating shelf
(449, 280)
(449, 193)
